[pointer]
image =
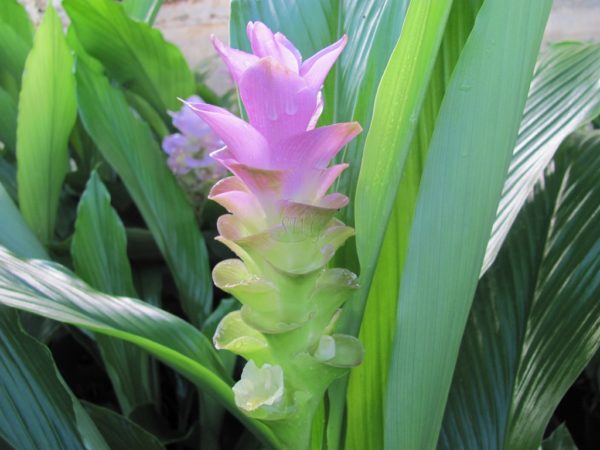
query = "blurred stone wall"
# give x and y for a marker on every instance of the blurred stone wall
(189, 24)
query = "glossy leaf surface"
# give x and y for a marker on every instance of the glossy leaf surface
(535, 322)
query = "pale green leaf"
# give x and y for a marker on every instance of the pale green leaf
(459, 192)
(47, 110)
(16, 35)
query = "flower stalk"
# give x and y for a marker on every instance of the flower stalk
(282, 226)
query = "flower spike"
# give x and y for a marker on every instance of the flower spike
(282, 226)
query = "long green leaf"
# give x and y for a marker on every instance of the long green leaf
(134, 53)
(16, 35)
(535, 322)
(47, 289)
(127, 144)
(459, 192)
(367, 387)
(99, 251)
(47, 111)
(565, 95)
(37, 410)
(119, 432)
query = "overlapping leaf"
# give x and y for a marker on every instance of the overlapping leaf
(16, 33)
(99, 251)
(47, 109)
(47, 289)
(458, 197)
(36, 408)
(127, 144)
(535, 322)
(133, 53)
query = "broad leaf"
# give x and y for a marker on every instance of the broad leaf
(47, 289)
(459, 192)
(47, 111)
(16, 35)
(127, 144)
(119, 432)
(133, 53)
(535, 322)
(367, 388)
(99, 250)
(565, 95)
(37, 410)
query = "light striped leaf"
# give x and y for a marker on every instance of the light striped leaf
(459, 192)
(535, 322)
(49, 290)
(47, 110)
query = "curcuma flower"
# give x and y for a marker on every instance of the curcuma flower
(188, 153)
(281, 225)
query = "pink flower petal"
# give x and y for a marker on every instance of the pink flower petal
(282, 40)
(234, 196)
(237, 61)
(315, 69)
(264, 43)
(242, 140)
(310, 186)
(315, 147)
(277, 100)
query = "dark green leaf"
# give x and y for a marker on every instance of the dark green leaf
(535, 322)
(127, 144)
(8, 121)
(16, 33)
(47, 289)
(560, 439)
(119, 432)
(47, 111)
(37, 411)
(142, 10)
(133, 53)
(99, 251)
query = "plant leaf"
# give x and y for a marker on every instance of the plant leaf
(99, 251)
(16, 35)
(127, 144)
(47, 111)
(142, 10)
(366, 395)
(459, 193)
(37, 410)
(535, 322)
(560, 439)
(47, 289)
(119, 432)
(560, 101)
(134, 53)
